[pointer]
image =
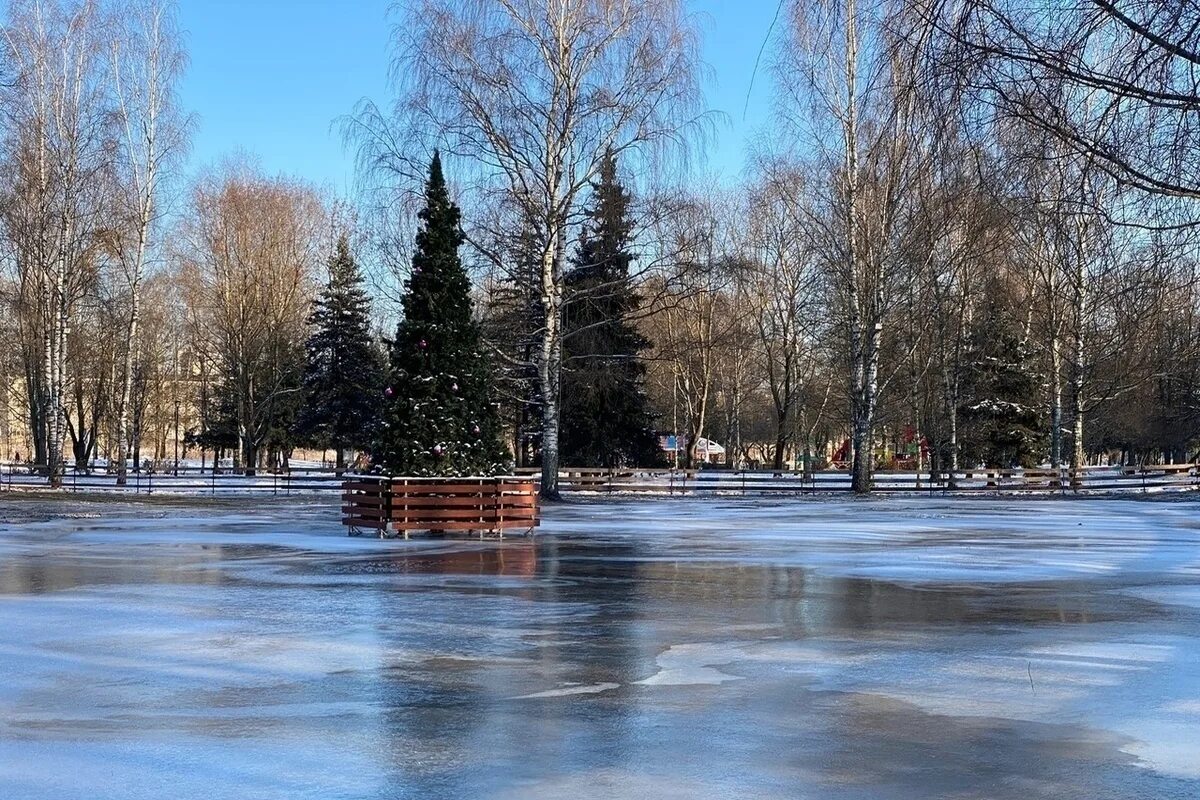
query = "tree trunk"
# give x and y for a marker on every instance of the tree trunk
(863, 413)
(950, 385)
(1077, 422)
(780, 444)
(1079, 354)
(35, 395)
(783, 418)
(131, 337)
(1056, 409)
(550, 357)
(55, 345)
(861, 393)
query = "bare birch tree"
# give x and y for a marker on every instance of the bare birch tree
(1137, 61)
(847, 86)
(146, 61)
(58, 132)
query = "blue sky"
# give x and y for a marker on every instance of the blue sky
(269, 77)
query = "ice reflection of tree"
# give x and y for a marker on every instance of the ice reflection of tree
(474, 629)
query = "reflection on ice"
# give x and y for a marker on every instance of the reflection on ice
(906, 648)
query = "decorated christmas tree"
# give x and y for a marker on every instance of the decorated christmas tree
(439, 418)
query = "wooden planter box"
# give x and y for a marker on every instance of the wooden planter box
(402, 505)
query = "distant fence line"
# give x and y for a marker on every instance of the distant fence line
(184, 480)
(1145, 478)
(193, 480)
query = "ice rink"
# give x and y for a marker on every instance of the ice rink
(701, 648)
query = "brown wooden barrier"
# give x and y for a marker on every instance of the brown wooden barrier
(1139, 479)
(402, 505)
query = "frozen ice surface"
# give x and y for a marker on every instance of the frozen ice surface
(1031, 649)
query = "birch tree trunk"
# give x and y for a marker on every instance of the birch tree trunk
(1056, 401)
(1078, 377)
(861, 369)
(550, 360)
(147, 60)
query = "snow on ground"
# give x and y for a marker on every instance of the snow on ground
(893, 648)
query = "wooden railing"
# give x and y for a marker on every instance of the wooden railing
(1117, 479)
(183, 479)
(595, 481)
(403, 505)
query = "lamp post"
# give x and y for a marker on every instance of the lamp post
(176, 437)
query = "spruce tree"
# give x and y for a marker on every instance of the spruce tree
(511, 321)
(1000, 420)
(439, 417)
(344, 368)
(605, 422)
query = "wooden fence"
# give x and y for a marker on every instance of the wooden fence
(189, 480)
(1116, 479)
(192, 480)
(403, 505)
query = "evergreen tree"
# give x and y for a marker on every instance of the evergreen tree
(344, 368)
(439, 417)
(511, 322)
(605, 421)
(999, 418)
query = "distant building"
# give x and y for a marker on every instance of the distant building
(706, 451)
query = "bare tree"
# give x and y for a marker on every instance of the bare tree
(782, 291)
(1099, 76)
(58, 132)
(693, 309)
(848, 87)
(146, 61)
(252, 246)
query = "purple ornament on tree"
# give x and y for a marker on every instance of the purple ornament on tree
(423, 344)
(454, 387)
(437, 449)
(475, 430)
(388, 392)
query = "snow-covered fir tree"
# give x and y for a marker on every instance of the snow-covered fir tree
(605, 421)
(999, 418)
(344, 367)
(439, 417)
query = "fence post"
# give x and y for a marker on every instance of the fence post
(385, 485)
(498, 499)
